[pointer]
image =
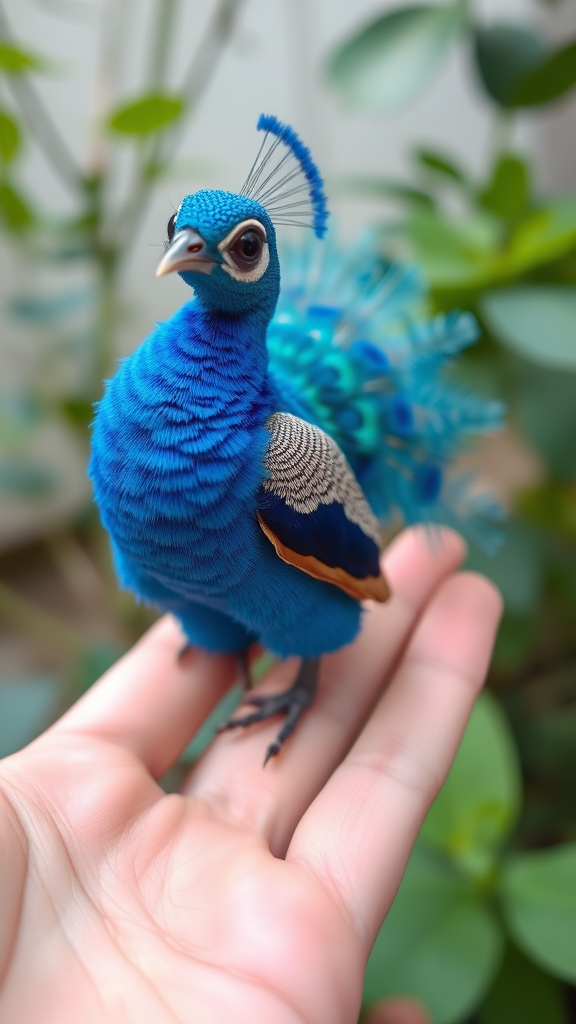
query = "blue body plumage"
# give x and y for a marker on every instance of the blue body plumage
(225, 503)
(179, 445)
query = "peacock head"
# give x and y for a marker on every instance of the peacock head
(224, 245)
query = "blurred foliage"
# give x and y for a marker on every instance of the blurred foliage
(69, 300)
(476, 918)
(482, 924)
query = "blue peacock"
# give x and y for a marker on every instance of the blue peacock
(243, 455)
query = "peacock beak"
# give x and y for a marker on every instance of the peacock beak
(187, 251)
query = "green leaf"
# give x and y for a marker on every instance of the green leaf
(517, 637)
(552, 505)
(536, 321)
(15, 213)
(9, 137)
(545, 410)
(261, 666)
(27, 706)
(480, 799)
(78, 411)
(505, 54)
(508, 193)
(543, 235)
(146, 115)
(16, 61)
(523, 994)
(543, 710)
(453, 252)
(539, 899)
(550, 80)
(389, 62)
(431, 160)
(440, 943)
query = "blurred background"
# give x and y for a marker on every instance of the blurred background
(450, 127)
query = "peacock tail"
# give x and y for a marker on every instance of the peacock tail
(353, 348)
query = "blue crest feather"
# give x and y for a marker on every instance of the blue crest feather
(290, 187)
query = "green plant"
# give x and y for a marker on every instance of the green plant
(495, 246)
(479, 924)
(99, 234)
(70, 299)
(491, 928)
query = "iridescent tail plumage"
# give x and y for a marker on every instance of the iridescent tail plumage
(354, 347)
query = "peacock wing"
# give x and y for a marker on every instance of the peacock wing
(313, 511)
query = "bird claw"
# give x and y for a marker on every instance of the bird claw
(292, 703)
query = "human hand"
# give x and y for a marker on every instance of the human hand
(255, 895)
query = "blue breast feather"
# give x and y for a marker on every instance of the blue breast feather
(178, 454)
(326, 534)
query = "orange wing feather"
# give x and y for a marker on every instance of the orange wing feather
(371, 587)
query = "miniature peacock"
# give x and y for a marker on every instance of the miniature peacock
(242, 454)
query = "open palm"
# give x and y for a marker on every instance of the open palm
(255, 895)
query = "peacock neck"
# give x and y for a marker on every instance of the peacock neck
(216, 366)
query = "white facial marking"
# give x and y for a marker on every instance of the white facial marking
(257, 271)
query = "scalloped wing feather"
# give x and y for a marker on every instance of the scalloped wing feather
(313, 511)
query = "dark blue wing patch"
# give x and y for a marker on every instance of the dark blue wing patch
(312, 510)
(326, 534)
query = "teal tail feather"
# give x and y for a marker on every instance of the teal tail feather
(354, 346)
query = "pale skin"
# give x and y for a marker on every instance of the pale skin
(255, 895)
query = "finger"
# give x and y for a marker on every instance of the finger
(273, 800)
(150, 702)
(358, 833)
(398, 1011)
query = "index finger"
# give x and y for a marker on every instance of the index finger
(358, 834)
(149, 701)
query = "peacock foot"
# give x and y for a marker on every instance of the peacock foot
(292, 703)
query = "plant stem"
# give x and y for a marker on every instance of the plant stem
(199, 73)
(41, 124)
(219, 32)
(202, 67)
(28, 617)
(165, 15)
(106, 318)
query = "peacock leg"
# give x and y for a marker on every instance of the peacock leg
(292, 703)
(243, 666)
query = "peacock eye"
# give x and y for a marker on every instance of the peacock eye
(247, 249)
(171, 227)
